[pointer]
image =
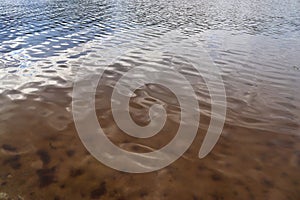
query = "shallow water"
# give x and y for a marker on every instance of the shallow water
(44, 44)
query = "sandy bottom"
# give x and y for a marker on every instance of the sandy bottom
(43, 158)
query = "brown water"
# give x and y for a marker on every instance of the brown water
(256, 45)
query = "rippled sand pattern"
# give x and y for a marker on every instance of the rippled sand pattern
(254, 43)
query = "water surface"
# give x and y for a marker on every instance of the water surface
(255, 44)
